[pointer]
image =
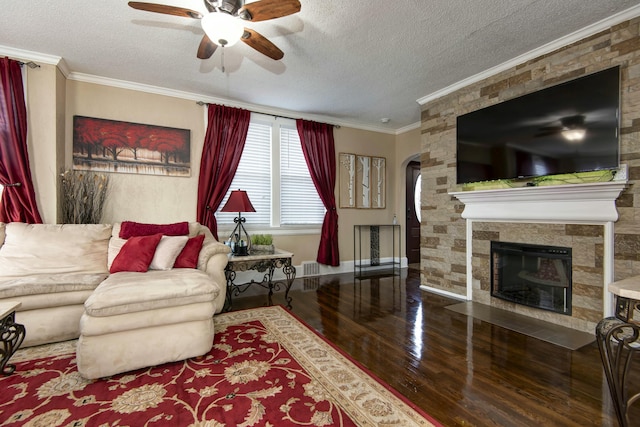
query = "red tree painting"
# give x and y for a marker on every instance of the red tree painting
(115, 146)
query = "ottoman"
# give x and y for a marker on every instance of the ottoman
(135, 320)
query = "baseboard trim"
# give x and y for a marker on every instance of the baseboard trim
(443, 293)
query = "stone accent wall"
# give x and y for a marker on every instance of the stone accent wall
(443, 247)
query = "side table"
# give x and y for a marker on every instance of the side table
(263, 263)
(11, 335)
(619, 344)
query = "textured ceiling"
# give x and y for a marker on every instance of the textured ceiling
(347, 62)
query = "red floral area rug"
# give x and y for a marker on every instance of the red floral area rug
(266, 368)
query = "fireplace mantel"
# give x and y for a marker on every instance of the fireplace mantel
(591, 203)
(586, 203)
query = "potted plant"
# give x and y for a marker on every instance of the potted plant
(262, 244)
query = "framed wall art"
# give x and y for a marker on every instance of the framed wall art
(347, 180)
(103, 145)
(378, 182)
(363, 181)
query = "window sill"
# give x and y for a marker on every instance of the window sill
(225, 230)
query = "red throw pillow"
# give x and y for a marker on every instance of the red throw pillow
(136, 254)
(130, 229)
(188, 258)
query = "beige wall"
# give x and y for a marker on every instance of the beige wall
(43, 109)
(367, 143)
(53, 101)
(407, 150)
(136, 197)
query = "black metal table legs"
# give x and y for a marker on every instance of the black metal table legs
(619, 344)
(11, 336)
(266, 265)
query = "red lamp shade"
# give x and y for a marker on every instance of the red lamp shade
(238, 202)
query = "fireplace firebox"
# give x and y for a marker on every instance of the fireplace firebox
(533, 275)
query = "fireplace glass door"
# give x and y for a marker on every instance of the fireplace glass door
(532, 275)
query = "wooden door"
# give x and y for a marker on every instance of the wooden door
(413, 225)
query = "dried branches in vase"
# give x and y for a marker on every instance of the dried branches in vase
(83, 196)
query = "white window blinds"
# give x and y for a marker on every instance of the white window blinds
(253, 176)
(274, 174)
(299, 200)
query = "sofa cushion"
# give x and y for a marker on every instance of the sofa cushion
(136, 254)
(128, 292)
(30, 249)
(130, 229)
(49, 284)
(94, 326)
(188, 258)
(210, 245)
(40, 301)
(167, 252)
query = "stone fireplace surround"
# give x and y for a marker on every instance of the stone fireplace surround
(591, 204)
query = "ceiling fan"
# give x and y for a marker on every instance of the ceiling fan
(224, 24)
(572, 128)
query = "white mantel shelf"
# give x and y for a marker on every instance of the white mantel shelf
(587, 203)
(590, 203)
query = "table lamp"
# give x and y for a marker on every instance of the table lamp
(239, 202)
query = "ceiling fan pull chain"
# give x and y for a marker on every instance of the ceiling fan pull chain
(222, 59)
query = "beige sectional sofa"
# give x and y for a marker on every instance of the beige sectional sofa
(125, 320)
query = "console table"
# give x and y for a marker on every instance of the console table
(371, 235)
(619, 344)
(11, 335)
(267, 264)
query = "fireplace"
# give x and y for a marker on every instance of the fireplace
(532, 275)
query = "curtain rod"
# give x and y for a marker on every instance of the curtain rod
(266, 114)
(29, 64)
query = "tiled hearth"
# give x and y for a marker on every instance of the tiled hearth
(579, 216)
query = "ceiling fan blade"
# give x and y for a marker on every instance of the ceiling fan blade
(167, 10)
(547, 131)
(206, 48)
(261, 44)
(268, 9)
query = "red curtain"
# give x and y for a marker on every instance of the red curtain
(18, 201)
(221, 151)
(319, 152)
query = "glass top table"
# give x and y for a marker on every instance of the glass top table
(262, 263)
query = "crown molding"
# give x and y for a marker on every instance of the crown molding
(27, 55)
(590, 30)
(37, 57)
(141, 87)
(408, 128)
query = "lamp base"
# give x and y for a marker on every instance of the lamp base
(240, 239)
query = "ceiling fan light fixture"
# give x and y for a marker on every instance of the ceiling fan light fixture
(222, 28)
(574, 135)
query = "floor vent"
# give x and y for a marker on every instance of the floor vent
(310, 269)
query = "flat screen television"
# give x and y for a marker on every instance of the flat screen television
(528, 136)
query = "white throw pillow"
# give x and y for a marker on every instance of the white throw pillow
(167, 251)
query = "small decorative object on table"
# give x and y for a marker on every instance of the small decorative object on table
(11, 335)
(262, 244)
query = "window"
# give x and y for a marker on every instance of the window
(275, 176)
(299, 200)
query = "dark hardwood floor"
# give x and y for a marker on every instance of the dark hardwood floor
(461, 371)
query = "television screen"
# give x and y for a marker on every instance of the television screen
(570, 127)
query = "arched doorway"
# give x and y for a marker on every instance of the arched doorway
(413, 189)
